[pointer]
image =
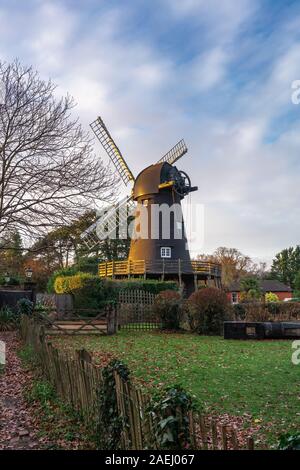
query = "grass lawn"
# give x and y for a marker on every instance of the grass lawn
(255, 380)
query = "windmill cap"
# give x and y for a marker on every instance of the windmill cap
(148, 180)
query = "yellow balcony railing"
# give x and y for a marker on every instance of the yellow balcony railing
(163, 266)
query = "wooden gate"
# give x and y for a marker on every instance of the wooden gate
(75, 322)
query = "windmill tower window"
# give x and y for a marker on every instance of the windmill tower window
(165, 252)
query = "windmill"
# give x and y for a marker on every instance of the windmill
(157, 193)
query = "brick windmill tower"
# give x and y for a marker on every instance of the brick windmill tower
(159, 246)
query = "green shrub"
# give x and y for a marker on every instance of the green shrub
(94, 294)
(110, 424)
(61, 272)
(271, 297)
(167, 306)
(40, 307)
(273, 307)
(25, 307)
(289, 441)
(88, 264)
(150, 285)
(8, 319)
(13, 281)
(169, 415)
(239, 311)
(207, 310)
(89, 291)
(250, 289)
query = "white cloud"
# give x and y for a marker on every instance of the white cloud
(149, 101)
(223, 18)
(208, 69)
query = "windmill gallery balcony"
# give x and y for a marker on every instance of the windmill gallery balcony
(164, 269)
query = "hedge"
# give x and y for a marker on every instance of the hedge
(70, 271)
(88, 290)
(269, 311)
(149, 285)
(91, 292)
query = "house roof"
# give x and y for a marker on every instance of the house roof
(265, 284)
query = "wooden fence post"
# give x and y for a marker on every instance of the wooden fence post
(179, 273)
(111, 315)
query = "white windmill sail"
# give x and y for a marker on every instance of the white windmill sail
(109, 222)
(116, 216)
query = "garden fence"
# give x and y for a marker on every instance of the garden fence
(136, 310)
(78, 381)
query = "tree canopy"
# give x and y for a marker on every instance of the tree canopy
(235, 265)
(286, 265)
(48, 172)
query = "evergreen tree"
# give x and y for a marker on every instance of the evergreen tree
(286, 265)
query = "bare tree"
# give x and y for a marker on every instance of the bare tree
(48, 173)
(234, 263)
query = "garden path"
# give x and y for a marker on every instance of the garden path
(18, 427)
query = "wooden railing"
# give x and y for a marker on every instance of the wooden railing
(163, 266)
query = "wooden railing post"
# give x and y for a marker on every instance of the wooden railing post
(196, 281)
(112, 269)
(179, 272)
(163, 270)
(129, 268)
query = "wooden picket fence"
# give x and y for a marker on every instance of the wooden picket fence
(78, 380)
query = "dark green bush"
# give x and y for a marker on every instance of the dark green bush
(88, 264)
(25, 307)
(95, 294)
(14, 280)
(110, 423)
(167, 306)
(289, 441)
(90, 292)
(8, 319)
(239, 311)
(150, 285)
(273, 307)
(169, 415)
(207, 310)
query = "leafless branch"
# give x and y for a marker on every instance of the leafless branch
(49, 174)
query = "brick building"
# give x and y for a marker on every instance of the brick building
(276, 287)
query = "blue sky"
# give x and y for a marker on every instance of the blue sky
(217, 73)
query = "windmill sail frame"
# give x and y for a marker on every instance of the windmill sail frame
(175, 153)
(103, 135)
